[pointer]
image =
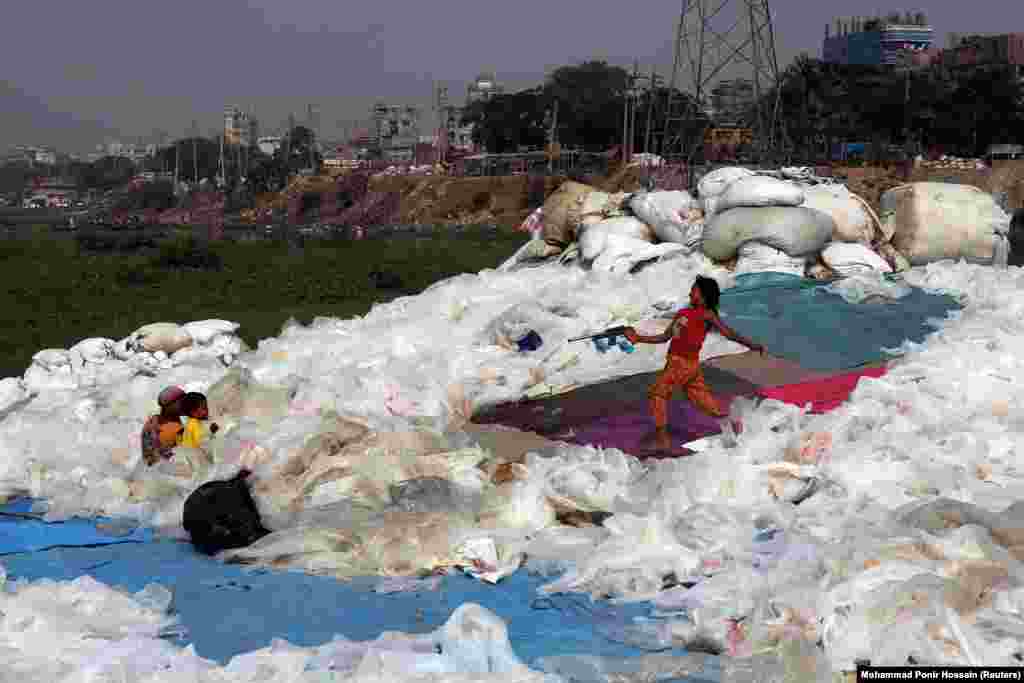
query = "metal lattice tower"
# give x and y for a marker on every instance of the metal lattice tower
(717, 38)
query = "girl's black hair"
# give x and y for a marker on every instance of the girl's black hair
(191, 401)
(710, 292)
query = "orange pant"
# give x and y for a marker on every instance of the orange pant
(683, 372)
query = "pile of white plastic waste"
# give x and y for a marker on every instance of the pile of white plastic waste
(788, 221)
(149, 350)
(952, 163)
(423, 169)
(887, 530)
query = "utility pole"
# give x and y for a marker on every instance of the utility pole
(441, 105)
(651, 87)
(177, 164)
(625, 129)
(629, 116)
(161, 138)
(222, 179)
(312, 138)
(907, 65)
(195, 155)
(553, 138)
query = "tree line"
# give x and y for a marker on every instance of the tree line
(961, 112)
(195, 158)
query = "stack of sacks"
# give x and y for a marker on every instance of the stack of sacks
(760, 220)
(606, 236)
(929, 222)
(150, 350)
(675, 216)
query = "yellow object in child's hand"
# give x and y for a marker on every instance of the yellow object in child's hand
(195, 433)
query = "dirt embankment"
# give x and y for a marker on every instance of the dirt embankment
(506, 201)
(872, 182)
(502, 200)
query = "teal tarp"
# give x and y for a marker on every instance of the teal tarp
(797, 319)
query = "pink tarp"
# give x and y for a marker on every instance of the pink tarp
(823, 394)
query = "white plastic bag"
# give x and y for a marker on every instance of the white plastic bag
(759, 191)
(715, 182)
(94, 350)
(621, 253)
(666, 212)
(204, 331)
(52, 360)
(847, 258)
(628, 226)
(861, 286)
(12, 390)
(591, 240)
(166, 337)
(755, 257)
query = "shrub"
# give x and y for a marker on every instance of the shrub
(187, 252)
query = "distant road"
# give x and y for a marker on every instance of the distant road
(14, 216)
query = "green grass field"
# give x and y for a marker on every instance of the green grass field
(57, 293)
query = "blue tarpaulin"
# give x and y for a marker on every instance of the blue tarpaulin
(797, 319)
(227, 610)
(22, 531)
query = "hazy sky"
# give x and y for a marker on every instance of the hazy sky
(141, 66)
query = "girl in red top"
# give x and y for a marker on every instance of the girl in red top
(682, 367)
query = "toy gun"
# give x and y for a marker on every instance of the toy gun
(605, 340)
(609, 334)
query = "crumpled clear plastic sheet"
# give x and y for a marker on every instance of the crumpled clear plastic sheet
(82, 630)
(860, 287)
(787, 530)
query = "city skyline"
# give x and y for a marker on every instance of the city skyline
(97, 76)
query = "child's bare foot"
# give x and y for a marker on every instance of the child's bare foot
(662, 440)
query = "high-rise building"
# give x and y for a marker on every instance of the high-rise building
(876, 41)
(396, 125)
(239, 127)
(460, 137)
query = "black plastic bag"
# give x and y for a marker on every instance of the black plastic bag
(220, 515)
(1017, 239)
(530, 342)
